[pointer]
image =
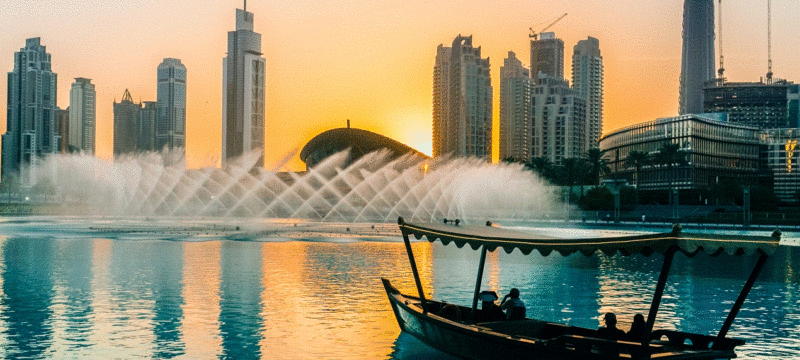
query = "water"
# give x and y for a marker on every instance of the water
(91, 288)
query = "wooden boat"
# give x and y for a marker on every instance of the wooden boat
(466, 337)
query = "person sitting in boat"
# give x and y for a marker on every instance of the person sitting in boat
(513, 306)
(638, 330)
(610, 331)
(489, 310)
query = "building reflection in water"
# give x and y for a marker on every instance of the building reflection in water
(72, 299)
(167, 299)
(240, 322)
(27, 297)
(201, 296)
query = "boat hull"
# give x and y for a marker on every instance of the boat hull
(483, 342)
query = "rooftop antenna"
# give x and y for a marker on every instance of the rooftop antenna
(769, 40)
(721, 70)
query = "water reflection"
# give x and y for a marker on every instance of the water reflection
(27, 297)
(240, 322)
(137, 299)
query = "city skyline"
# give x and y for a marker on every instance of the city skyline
(328, 63)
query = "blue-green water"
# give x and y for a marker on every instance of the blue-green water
(68, 294)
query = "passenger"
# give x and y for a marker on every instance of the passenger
(514, 307)
(489, 310)
(450, 312)
(610, 331)
(638, 331)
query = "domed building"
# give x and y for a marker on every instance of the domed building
(360, 142)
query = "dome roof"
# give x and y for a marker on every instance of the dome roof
(360, 142)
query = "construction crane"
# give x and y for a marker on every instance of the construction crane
(721, 70)
(535, 36)
(769, 40)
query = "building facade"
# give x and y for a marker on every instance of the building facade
(710, 152)
(146, 138)
(780, 154)
(243, 92)
(559, 120)
(126, 125)
(82, 116)
(587, 80)
(171, 105)
(547, 56)
(62, 129)
(697, 60)
(31, 106)
(462, 101)
(516, 87)
(766, 105)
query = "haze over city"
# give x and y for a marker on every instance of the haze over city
(369, 62)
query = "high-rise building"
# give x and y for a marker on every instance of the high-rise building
(773, 104)
(462, 101)
(30, 130)
(62, 129)
(243, 91)
(587, 80)
(515, 110)
(171, 105)
(82, 116)
(559, 120)
(547, 56)
(146, 138)
(697, 60)
(126, 125)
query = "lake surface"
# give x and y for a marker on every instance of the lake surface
(96, 294)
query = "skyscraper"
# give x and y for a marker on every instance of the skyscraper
(697, 60)
(30, 130)
(559, 120)
(462, 101)
(547, 56)
(515, 110)
(82, 116)
(126, 125)
(171, 105)
(587, 80)
(243, 91)
(146, 138)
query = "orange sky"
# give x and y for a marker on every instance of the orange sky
(369, 61)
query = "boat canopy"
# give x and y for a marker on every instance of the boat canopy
(492, 237)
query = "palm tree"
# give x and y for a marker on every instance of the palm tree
(572, 170)
(638, 160)
(669, 155)
(598, 165)
(542, 166)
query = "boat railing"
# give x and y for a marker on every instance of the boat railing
(592, 345)
(678, 338)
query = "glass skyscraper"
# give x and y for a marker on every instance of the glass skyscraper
(171, 105)
(243, 91)
(697, 60)
(30, 130)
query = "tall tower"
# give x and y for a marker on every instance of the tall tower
(126, 125)
(30, 130)
(171, 105)
(515, 110)
(547, 56)
(82, 116)
(697, 60)
(243, 91)
(462, 101)
(587, 80)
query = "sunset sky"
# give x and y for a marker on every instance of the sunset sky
(370, 61)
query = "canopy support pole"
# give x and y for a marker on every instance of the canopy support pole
(740, 301)
(414, 270)
(662, 283)
(478, 285)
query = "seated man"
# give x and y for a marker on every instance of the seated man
(489, 310)
(514, 307)
(610, 331)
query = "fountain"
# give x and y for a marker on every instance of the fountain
(371, 189)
